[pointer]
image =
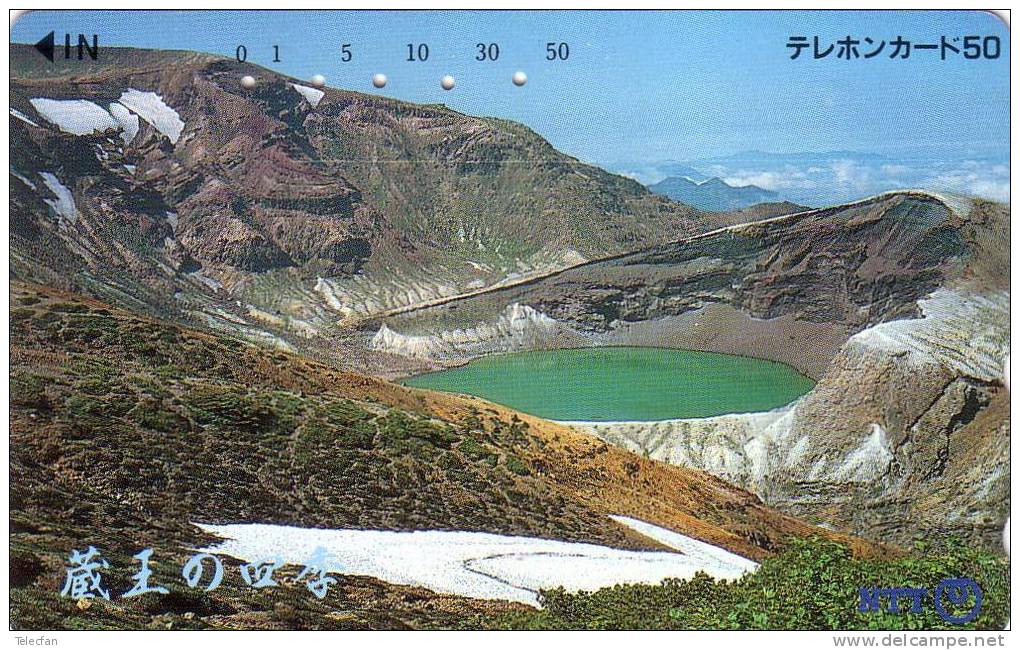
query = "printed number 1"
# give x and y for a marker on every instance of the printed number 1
(276, 54)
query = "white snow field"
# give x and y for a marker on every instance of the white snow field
(21, 177)
(81, 117)
(151, 108)
(479, 565)
(313, 95)
(76, 116)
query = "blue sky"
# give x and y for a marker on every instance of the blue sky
(638, 86)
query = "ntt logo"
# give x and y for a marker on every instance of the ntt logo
(956, 600)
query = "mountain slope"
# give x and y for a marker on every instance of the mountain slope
(153, 180)
(159, 213)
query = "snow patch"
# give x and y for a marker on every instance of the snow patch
(76, 116)
(21, 116)
(128, 121)
(479, 565)
(966, 332)
(714, 560)
(151, 108)
(313, 95)
(21, 178)
(64, 204)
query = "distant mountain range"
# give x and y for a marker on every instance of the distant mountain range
(833, 177)
(713, 194)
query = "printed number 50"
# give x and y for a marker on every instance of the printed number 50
(554, 51)
(974, 47)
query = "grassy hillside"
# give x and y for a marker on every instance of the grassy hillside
(124, 430)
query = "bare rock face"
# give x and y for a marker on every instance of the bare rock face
(888, 449)
(213, 226)
(518, 327)
(852, 265)
(915, 400)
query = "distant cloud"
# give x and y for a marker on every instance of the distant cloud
(852, 177)
(894, 170)
(974, 184)
(777, 181)
(645, 175)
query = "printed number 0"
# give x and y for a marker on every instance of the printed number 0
(974, 47)
(242, 54)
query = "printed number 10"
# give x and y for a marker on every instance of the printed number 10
(422, 52)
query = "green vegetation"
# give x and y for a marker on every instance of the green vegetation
(813, 585)
(189, 415)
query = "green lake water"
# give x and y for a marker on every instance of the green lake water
(623, 383)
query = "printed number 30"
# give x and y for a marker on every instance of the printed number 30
(488, 52)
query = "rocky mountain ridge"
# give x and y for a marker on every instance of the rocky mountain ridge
(896, 305)
(392, 238)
